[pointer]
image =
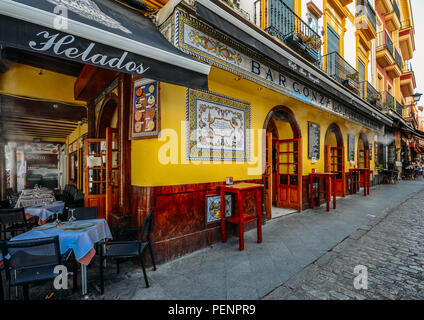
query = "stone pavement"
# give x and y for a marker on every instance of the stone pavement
(290, 244)
(389, 246)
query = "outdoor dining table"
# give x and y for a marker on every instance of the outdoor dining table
(43, 212)
(330, 188)
(80, 236)
(355, 179)
(35, 198)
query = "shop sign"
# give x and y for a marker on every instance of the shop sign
(351, 147)
(145, 116)
(197, 39)
(314, 136)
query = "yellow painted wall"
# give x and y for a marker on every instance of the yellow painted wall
(23, 80)
(148, 171)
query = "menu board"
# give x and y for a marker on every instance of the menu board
(351, 146)
(314, 134)
(145, 109)
(370, 152)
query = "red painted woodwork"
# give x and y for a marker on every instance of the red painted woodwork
(112, 172)
(95, 177)
(179, 224)
(357, 175)
(288, 182)
(337, 166)
(268, 176)
(241, 217)
(92, 81)
(330, 181)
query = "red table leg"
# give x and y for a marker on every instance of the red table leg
(351, 182)
(369, 182)
(334, 192)
(365, 183)
(259, 215)
(327, 192)
(223, 231)
(241, 221)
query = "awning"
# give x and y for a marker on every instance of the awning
(102, 33)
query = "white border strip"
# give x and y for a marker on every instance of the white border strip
(244, 27)
(44, 18)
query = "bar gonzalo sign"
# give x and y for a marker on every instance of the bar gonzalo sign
(197, 39)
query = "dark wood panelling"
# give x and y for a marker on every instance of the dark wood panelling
(179, 225)
(92, 81)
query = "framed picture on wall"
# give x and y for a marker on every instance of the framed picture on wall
(213, 208)
(145, 109)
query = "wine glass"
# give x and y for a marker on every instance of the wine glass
(57, 221)
(72, 217)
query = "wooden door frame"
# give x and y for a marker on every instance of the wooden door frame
(297, 134)
(363, 137)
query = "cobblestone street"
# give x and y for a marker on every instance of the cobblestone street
(390, 246)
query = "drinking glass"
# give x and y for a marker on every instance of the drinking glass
(57, 221)
(72, 218)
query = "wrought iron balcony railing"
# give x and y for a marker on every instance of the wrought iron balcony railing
(370, 94)
(340, 70)
(398, 59)
(389, 101)
(363, 7)
(408, 67)
(385, 42)
(286, 25)
(399, 108)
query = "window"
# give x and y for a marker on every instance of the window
(361, 70)
(332, 40)
(313, 21)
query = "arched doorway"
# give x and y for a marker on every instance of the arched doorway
(363, 151)
(106, 114)
(335, 157)
(103, 175)
(283, 174)
(363, 155)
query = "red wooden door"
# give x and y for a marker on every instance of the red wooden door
(95, 174)
(289, 174)
(268, 176)
(112, 171)
(364, 163)
(337, 166)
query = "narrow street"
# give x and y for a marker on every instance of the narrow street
(312, 254)
(390, 246)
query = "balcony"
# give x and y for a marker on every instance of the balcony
(384, 6)
(389, 101)
(385, 50)
(341, 71)
(407, 81)
(399, 108)
(366, 19)
(370, 94)
(395, 70)
(280, 21)
(393, 17)
(406, 39)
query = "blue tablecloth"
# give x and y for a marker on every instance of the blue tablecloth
(44, 212)
(80, 241)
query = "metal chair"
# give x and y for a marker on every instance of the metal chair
(32, 261)
(13, 221)
(128, 249)
(85, 213)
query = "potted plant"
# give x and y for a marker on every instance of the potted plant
(351, 81)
